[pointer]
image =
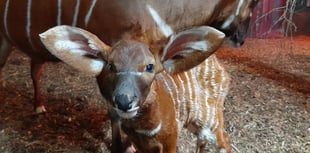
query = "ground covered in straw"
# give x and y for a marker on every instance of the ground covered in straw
(267, 108)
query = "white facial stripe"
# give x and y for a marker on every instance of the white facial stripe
(165, 28)
(76, 13)
(28, 25)
(228, 21)
(198, 45)
(239, 7)
(89, 13)
(150, 132)
(59, 11)
(232, 17)
(129, 72)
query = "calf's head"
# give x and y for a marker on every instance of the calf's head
(126, 70)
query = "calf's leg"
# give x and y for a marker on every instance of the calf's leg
(223, 142)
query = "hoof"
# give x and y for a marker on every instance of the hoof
(40, 110)
(3, 83)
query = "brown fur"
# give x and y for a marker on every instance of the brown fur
(110, 21)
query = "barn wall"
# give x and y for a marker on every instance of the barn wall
(266, 16)
(265, 20)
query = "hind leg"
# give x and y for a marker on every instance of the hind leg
(222, 139)
(203, 137)
(201, 145)
(36, 72)
(223, 142)
(5, 50)
(218, 136)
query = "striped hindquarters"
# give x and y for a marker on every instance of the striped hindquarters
(198, 94)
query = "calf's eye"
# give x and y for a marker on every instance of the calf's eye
(149, 68)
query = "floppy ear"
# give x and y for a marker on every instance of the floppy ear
(189, 48)
(76, 47)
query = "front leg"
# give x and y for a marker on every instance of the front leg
(116, 135)
(120, 144)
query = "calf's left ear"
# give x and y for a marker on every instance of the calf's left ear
(189, 48)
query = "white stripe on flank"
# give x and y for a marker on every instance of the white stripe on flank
(89, 13)
(213, 82)
(59, 12)
(165, 28)
(76, 13)
(205, 75)
(28, 26)
(5, 19)
(175, 88)
(212, 118)
(190, 93)
(223, 89)
(204, 92)
(197, 100)
(207, 90)
(214, 86)
(168, 88)
(183, 101)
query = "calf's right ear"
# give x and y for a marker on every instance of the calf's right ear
(78, 48)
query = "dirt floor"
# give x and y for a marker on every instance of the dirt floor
(266, 110)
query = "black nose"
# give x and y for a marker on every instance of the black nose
(123, 102)
(237, 39)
